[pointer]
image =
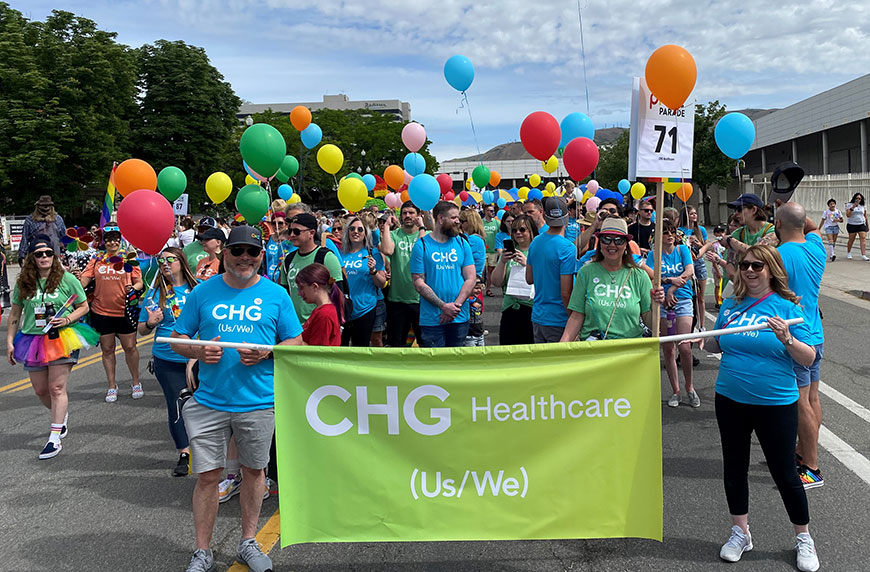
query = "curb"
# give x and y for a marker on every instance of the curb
(863, 294)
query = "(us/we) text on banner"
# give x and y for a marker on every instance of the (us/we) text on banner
(500, 443)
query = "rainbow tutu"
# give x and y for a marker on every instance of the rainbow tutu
(38, 349)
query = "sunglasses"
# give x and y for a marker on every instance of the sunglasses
(521, 230)
(356, 229)
(239, 250)
(298, 231)
(611, 211)
(111, 228)
(43, 254)
(617, 240)
(756, 265)
(646, 210)
(112, 239)
(167, 259)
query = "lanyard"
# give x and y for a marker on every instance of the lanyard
(737, 315)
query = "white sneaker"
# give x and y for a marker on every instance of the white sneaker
(137, 392)
(849, 255)
(739, 543)
(674, 401)
(807, 559)
(112, 395)
(228, 488)
(267, 488)
(864, 258)
(693, 399)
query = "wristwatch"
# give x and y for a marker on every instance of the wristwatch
(790, 341)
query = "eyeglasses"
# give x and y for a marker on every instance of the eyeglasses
(646, 210)
(617, 240)
(298, 231)
(43, 254)
(756, 265)
(278, 222)
(520, 230)
(239, 250)
(111, 228)
(167, 259)
(356, 229)
(667, 233)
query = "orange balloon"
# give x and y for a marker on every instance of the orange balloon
(405, 197)
(394, 176)
(671, 74)
(134, 174)
(684, 193)
(494, 178)
(300, 117)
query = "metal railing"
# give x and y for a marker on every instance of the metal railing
(814, 191)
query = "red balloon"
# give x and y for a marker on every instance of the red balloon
(540, 134)
(580, 158)
(449, 196)
(445, 182)
(463, 196)
(146, 219)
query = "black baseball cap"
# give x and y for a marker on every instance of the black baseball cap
(307, 220)
(556, 211)
(207, 221)
(212, 233)
(245, 234)
(747, 199)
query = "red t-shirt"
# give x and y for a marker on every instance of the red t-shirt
(321, 328)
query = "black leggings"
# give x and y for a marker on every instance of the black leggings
(516, 326)
(358, 332)
(401, 318)
(776, 429)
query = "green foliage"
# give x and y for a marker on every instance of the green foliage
(710, 166)
(613, 163)
(187, 113)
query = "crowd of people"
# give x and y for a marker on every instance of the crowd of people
(406, 277)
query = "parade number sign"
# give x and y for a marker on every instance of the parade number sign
(499, 443)
(180, 205)
(661, 138)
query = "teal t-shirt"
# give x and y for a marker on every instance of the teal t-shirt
(478, 252)
(441, 263)
(805, 263)
(596, 290)
(165, 327)
(551, 256)
(673, 265)
(363, 292)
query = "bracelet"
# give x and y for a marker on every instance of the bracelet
(149, 326)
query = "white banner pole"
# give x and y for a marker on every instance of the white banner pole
(218, 343)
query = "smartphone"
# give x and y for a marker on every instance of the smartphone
(509, 245)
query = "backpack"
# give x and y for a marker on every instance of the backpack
(764, 232)
(319, 258)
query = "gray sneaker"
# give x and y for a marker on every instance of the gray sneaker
(674, 401)
(202, 561)
(250, 554)
(739, 543)
(807, 559)
(693, 399)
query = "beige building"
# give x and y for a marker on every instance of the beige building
(340, 102)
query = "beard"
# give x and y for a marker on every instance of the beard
(241, 276)
(450, 231)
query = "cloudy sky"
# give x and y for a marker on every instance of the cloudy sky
(527, 54)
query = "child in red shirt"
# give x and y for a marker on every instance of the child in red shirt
(323, 326)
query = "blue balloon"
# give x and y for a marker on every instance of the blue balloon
(415, 164)
(459, 72)
(248, 169)
(311, 136)
(514, 192)
(501, 202)
(369, 181)
(499, 215)
(734, 135)
(487, 197)
(285, 191)
(536, 194)
(576, 125)
(424, 191)
(624, 186)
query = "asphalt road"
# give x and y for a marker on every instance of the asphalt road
(108, 502)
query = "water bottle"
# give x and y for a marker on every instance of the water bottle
(672, 322)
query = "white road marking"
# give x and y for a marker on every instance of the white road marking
(852, 459)
(846, 402)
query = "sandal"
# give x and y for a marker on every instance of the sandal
(489, 293)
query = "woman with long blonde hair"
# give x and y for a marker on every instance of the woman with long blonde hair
(472, 226)
(756, 390)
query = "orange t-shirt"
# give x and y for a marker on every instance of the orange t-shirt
(110, 286)
(205, 269)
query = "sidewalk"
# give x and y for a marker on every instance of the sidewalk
(849, 276)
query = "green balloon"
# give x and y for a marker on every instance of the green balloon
(171, 182)
(252, 202)
(290, 166)
(480, 176)
(281, 176)
(354, 176)
(263, 149)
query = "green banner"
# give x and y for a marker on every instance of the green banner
(498, 443)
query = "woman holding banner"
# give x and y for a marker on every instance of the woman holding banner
(516, 310)
(756, 391)
(47, 303)
(611, 293)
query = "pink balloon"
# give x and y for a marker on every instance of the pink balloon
(413, 136)
(394, 200)
(407, 178)
(449, 196)
(592, 204)
(146, 219)
(592, 186)
(445, 182)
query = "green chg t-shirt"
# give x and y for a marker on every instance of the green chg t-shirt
(303, 310)
(490, 229)
(595, 292)
(401, 286)
(509, 302)
(68, 286)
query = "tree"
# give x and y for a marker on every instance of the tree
(187, 113)
(613, 162)
(709, 165)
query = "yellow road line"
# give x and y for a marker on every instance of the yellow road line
(267, 538)
(91, 359)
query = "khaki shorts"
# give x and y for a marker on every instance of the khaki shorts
(492, 259)
(209, 431)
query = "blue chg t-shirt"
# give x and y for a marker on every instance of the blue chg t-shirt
(551, 257)
(165, 327)
(805, 263)
(478, 252)
(363, 292)
(673, 265)
(260, 314)
(756, 367)
(442, 265)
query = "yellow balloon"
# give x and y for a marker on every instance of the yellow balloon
(535, 180)
(638, 190)
(330, 158)
(468, 185)
(249, 180)
(672, 188)
(218, 187)
(352, 194)
(586, 196)
(551, 186)
(294, 199)
(550, 165)
(523, 193)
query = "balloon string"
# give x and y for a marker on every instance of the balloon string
(583, 56)
(471, 119)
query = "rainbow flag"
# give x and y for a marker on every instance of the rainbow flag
(109, 200)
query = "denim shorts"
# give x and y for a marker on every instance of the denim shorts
(380, 317)
(701, 269)
(806, 375)
(683, 308)
(832, 230)
(72, 359)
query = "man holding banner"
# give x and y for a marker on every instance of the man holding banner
(236, 392)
